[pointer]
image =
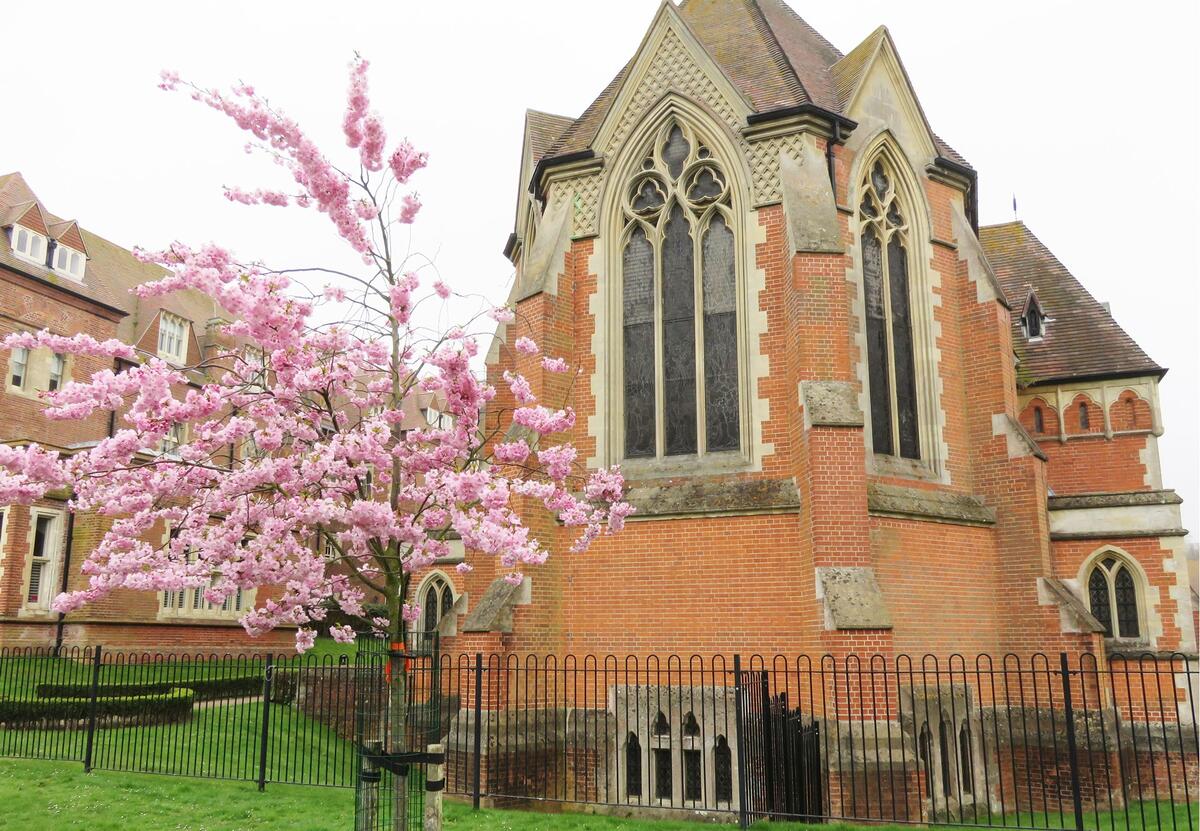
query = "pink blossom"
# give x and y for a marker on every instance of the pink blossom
(526, 346)
(502, 314)
(442, 290)
(342, 634)
(511, 453)
(405, 161)
(554, 365)
(305, 640)
(410, 204)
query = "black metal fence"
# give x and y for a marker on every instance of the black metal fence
(1036, 742)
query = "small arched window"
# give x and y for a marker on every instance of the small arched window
(723, 770)
(691, 727)
(1085, 417)
(925, 757)
(891, 370)
(679, 303)
(436, 601)
(1039, 421)
(946, 747)
(1113, 598)
(633, 766)
(965, 768)
(662, 727)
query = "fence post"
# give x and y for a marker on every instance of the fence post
(91, 733)
(266, 722)
(478, 745)
(1076, 798)
(740, 721)
(435, 783)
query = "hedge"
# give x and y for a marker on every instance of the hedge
(203, 689)
(174, 704)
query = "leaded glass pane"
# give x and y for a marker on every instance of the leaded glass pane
(638, 308)
(1098, 600)
(705, 187)
(447, 601)
(1085, 418)
(679, 335)
(692, 790)
(431, 609)
(879, 180)
(720, 338)
(675, 152)
(649, 197)
(1127, 610)
(662, 773)
(902, 350)
(877, 360)
(633, 767)
(723, 770)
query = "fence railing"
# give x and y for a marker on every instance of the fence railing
(1033, 742)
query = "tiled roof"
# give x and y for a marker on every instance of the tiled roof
(1081, 338)
(771, 55)
(544, 130)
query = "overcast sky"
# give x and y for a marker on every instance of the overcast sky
(1088, 115)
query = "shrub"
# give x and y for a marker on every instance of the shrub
(175, 704)
(203, 689)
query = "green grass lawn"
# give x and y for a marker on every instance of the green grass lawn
(49, 796)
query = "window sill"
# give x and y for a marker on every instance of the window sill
(881, 465)
(711, 464)
(689, 498)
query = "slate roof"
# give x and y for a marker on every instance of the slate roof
(1081, 340)
(768, 52)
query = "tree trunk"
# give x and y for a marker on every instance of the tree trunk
(398, 723)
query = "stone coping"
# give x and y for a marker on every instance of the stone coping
(1113, 500)
(690, 497)
(928, 505)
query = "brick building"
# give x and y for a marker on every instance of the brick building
(852, 420)
(58, 275)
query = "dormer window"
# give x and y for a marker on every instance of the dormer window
(68, 262)
(29, 245)
(1034, 319)
(172, 338)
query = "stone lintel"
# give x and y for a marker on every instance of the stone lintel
(808, 202)
(933, 505)
(852, 598)
(830, 404)
(689, 497)
(1104, 534)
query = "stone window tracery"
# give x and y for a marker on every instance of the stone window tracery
(891, 368)
(681, 386)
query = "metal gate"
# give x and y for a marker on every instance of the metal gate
(781, 754)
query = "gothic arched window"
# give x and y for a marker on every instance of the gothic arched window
(723, 770)
(891, 370)
(1113, 598)
(436, 601)
(965, 768)
(1085, 418)
(633, 766)
(679, 303)
(1039, 420)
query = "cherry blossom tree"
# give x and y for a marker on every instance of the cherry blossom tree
(328, 499)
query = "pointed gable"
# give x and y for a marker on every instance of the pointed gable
(31, 217)
(67, 232)
(1082, 340)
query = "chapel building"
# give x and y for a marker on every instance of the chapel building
(851, 419)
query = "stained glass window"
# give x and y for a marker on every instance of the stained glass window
(889, 330)
(681, 388)
(633, 766)
(679, 335)
(638, 306)
(1113, 598)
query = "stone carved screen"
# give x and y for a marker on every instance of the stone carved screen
(891, 369)
(680, 362)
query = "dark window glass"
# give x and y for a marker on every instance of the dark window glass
(1127, 610)
(675, 152)
(945, 744)
(924, 751)
(638, 306)
(965, 769)
(1085, 417)
(1098, 599)
(431, 608)
(662, 727)
(662, 773)
(633, 766)
(692, 790)
(679, 335)
(720, 338)
(447, 601)
(1033, 321)
(649, 197)
(723, 770)
(705, 187)
(691, 727)
(877, 359)
(1039, 420)
(879, 180)
(902, 348)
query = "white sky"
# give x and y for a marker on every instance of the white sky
(1086, 111)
